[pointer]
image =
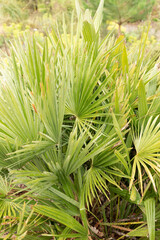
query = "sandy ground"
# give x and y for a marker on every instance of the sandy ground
(135, 27)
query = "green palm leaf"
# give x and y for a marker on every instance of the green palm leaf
(61, 217)
(150, 214)
(147, 151)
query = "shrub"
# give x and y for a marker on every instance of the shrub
(79, 136)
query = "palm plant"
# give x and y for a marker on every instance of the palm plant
(79, 133)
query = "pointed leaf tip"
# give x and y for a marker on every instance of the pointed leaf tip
(98, 16)
(78, 8)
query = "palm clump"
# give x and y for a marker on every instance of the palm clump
(79, 136)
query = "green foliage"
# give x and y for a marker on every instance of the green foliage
(18, 10)
(79, 135)
(11, 9)
(150, 213)
(122, 10)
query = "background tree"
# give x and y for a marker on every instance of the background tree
(122, 11)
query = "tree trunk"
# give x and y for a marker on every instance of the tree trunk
(119, 29)
(35, 3)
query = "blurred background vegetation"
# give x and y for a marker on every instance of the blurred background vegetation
(126, 17)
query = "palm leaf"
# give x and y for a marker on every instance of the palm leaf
(150, 214)
(61, 217)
